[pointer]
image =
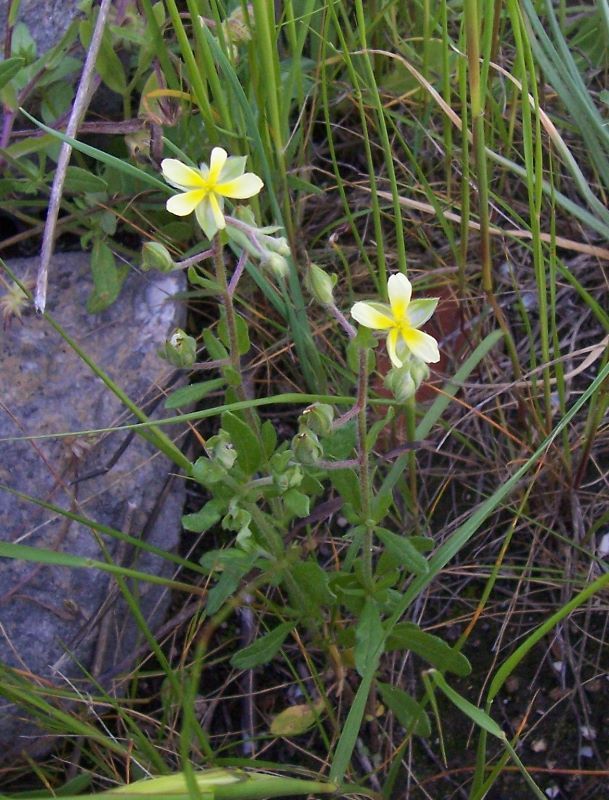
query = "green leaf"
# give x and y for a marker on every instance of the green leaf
(107, 278)
(108, 222)
(108, 65)
(408, 636)
(299, 184)
(404, 550)
(9, 68)
(269, 438)
(477, 715)
(187, 395)
(120, 164)
(243, 338)
(214, 346)
(81, 180)
(346, 483)
(313, 582)
(364, 340)
(406, 710)
(204, 519)
(341, 444)
(381, 505)
(243, 335)
(297, 502)
(22, 42)
(208, 472)
(262, 650)
(236, 564)
(232, 378)
(377, 427)
(369, 635)
(249, 453)
(57, 100)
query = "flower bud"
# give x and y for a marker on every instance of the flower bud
(278, 244)
(156, 256)
(180, 350)
(321, 285)
(236, 27)
(277, 264)
(400, 383)
(307, 448)
(221, 450)
(419, 371)
(318, 418)
(290, 478)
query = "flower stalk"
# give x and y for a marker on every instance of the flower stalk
(363, 463)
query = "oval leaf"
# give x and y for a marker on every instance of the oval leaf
(187, 395)
(408, 636)
(406, 710)
(262, 650)
(9, 68)
(245, 441)
(404, 550)
(368, 638)
(298, 719)
(80, 180)
(477, 715)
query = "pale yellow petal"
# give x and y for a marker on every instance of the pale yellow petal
(399, 289)
(422, 345)
(181, 176)
(205, 218)
(370, 317)
(392, 341)
(216, 210)
(419, 311)
(234, 166)
(240, 188)
(216, 162)
(183, 204)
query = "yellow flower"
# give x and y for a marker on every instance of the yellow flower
(204, 189)
(401, 318)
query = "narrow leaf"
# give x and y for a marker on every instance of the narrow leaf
(408, 636)
(9, 68)
(405, 709)
(369, 635)
(249, 454)
(400, 547)
(262, 650)
(477, 715)
(187, 395)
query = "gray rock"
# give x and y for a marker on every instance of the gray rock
(53, 622)
(47, 20)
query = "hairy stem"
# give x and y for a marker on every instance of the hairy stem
(364, 468)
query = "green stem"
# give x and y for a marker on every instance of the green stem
(231, 327)
(229, 309)
(274, 544)
(364, 468)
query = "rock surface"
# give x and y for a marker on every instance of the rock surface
(52, 618)
(46, 20)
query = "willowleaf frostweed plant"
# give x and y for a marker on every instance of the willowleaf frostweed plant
(401, 318)
(204, 189)
(257, 483)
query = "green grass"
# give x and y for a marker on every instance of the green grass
(463, 144)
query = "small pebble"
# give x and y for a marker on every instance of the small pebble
(539, 745)
(603, 546)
